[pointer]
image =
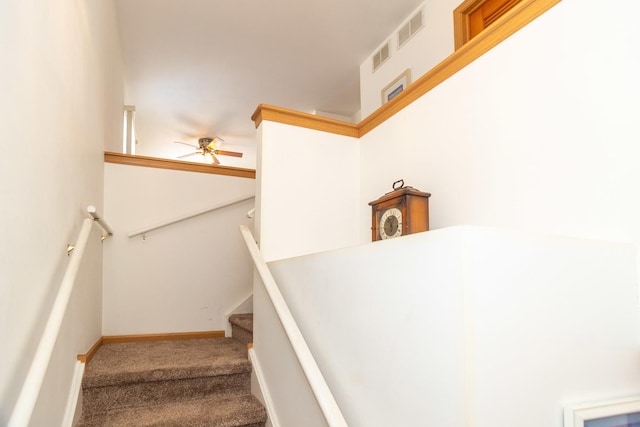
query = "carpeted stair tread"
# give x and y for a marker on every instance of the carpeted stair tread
(242, 411)
(125, 363)
(245, 321)
(111, 398)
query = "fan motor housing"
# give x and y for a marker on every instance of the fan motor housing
(204, 142)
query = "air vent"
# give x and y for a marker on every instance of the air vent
(380, 56)
(410, 29)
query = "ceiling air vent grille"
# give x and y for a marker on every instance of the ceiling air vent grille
(414, 25)
(380, 56)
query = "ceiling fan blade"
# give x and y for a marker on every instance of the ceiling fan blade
(228, 153)
(184, 143)
(215, 159)
(187, 155)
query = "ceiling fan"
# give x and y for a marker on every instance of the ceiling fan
(209, 146)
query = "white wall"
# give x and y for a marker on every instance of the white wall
(537, 134)
(61, 85)
(540, 133)
(422, 52)
(184, 277)
(467, 326)
(284, 387)
(297, 169)
(556, 323)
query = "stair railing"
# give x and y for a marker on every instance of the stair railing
(106, 231)
(321, 391)
(143, 231)
(28, 397)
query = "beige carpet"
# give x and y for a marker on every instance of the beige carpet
(199, 382)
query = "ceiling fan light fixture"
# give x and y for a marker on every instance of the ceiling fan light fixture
(205, 142)
(208, 146)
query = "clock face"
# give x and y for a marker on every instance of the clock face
(390, 224)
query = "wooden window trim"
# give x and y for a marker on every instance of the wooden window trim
(461, 21)
(461, 18)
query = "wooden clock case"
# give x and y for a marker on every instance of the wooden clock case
(413, 204)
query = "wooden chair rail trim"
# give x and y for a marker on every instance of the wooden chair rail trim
(85, 358)
(155, 162)
(516, 18)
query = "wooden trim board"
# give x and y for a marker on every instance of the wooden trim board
(162, 337)
(465, 22)
(305, 120)
(111, 339)
(85, 358)
(156, 162)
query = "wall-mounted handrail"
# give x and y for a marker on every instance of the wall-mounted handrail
(31, 388)
(321, 391)
(192, 215)
(106, 231)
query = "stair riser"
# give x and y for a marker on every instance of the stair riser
(242, 335)
(109, 398)
(243, 411)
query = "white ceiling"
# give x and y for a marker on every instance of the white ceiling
(200, 67)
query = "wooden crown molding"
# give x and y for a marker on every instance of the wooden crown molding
(519, 16)
(155, 162)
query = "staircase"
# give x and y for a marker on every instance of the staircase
(195, 382)
(242, 327)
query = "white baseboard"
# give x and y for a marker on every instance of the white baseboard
(74, 395)
(264, 396)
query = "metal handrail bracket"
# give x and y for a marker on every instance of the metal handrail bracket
(106, 231)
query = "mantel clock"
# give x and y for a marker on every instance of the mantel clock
(402, 211)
